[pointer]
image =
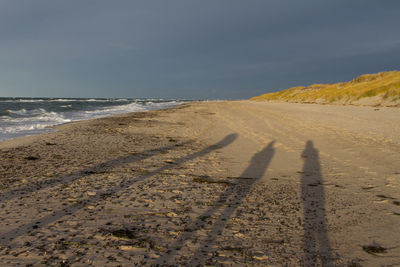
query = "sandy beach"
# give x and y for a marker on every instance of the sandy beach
(229, 183)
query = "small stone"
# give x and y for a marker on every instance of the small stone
(131, 248)
(63, 257)
(154, 256)
(171, 214)
(261, 258)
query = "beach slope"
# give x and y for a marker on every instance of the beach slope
(209, 183)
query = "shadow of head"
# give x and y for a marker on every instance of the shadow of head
(266, 150)
(264, 154)
(225, 142)
(309, 150)
(259, 162)
(309, 144)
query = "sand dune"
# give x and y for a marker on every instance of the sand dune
(211, 183)
(379, 89)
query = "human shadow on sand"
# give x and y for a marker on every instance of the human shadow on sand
(8, 237)
(96, 169)
(222, 210)
(317, 250)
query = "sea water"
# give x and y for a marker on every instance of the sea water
(28, 116)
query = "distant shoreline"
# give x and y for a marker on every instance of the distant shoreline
(23, 117)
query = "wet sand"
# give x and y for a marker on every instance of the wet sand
(212, 183)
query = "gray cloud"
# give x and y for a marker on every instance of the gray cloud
(180, 48)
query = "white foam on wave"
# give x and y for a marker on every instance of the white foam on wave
(17, 112)
(46, 117)
(132, 107)
(63, 100)
(25, 112)
(79, 100)
(128, 108)
(160, 105)
(28, 100)
(32, 124)
(24, 128)
(82, 100)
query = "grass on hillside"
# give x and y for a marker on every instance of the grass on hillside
(384, 85)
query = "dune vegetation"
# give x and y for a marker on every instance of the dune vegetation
(380, 89)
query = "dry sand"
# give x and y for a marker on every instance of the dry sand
(212, 183)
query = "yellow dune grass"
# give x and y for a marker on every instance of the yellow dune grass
(370, 89)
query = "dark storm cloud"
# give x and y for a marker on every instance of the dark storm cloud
(203, 49)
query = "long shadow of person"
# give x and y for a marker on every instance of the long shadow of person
(253, 173)
(100, 196)
(315, 240)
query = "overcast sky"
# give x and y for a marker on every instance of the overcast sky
(191, 48)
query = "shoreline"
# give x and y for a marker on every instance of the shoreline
(208, 183)
(16, 140)
(23, 117)
(21, 139)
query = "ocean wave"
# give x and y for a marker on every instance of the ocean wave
(63, 100)
(31, 125)
(97, 100)
(24, 128)
(27, 112)
(43, 117)
(160, 105)
(132, 107)
(29, 120)
(29, 100)
(81, 100)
